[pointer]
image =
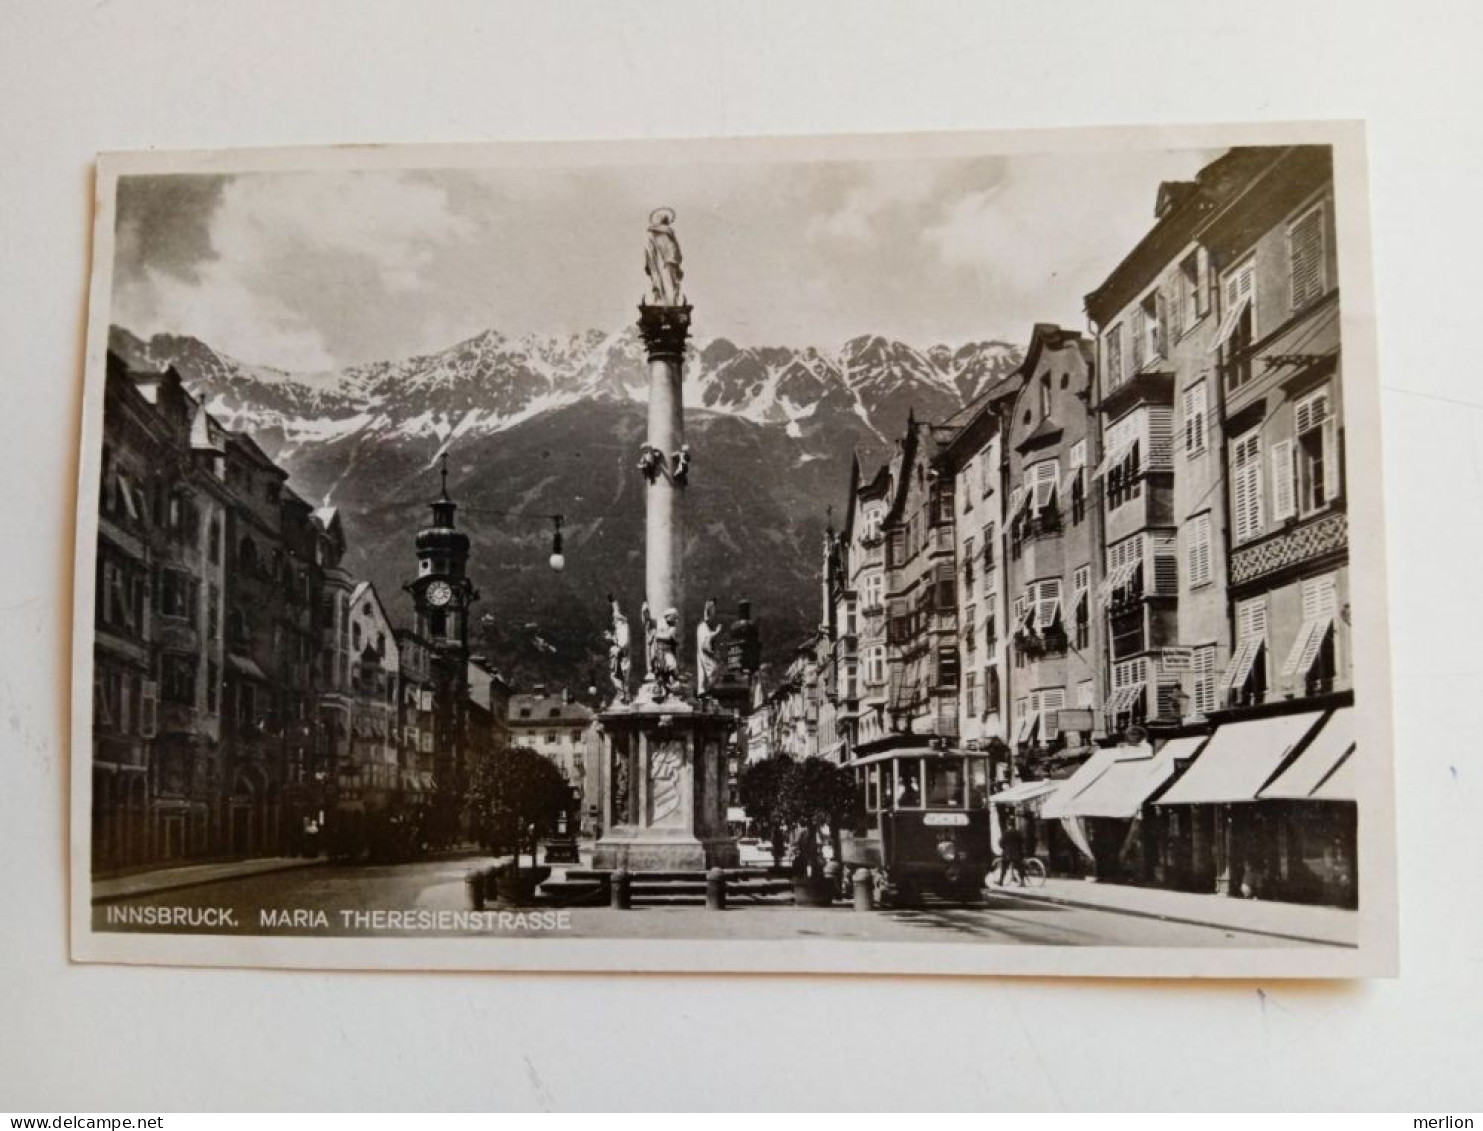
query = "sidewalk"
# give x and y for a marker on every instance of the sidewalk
(190, 875)
(1335, 926)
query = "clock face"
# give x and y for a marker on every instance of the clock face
(439, 593)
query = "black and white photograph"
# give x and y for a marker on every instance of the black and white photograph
(936, 553)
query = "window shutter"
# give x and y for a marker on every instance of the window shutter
(1332, 468)
(1195, 405)
(1305, 256)
(1160, 436)
(1248, 486)
(1140, 332)
(1048, 604)
(1051, 702)
(1161, 305)
(1197, 547)
(1284, 481)
(1165, 564)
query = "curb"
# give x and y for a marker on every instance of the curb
(165, 885)
(1065, 901)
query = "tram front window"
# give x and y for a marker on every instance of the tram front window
(945, 784)
(978, 783)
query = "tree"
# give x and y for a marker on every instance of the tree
(760, 788)
(815, 793)
(785, 796)
(517, 796)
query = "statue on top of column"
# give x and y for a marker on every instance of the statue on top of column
(662, 260)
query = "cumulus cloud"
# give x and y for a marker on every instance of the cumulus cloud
(316, 270)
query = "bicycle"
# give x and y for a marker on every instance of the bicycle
(1032, 868)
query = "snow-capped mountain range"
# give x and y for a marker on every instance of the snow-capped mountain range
(491, 383)
(536, 426)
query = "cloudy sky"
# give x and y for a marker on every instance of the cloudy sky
(317, 270)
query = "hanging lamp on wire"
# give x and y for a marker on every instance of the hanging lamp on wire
(558, 559)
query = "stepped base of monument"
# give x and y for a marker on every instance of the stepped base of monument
(745, 887)
(664, 854)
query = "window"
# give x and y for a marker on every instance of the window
(1044, 395)
(970, 629)
(1238, 327)
(1041, 480)
(1186, 309)
(576, 737)
(1124, 580)
(1150, 330)
(1114, 345)
(1085, 694)
(1196, 407)
(1317, 452)
(970, 692)
(947, 666)
(1312, 654)
(1122, 462)
(1081, 600)
(1128, 702)
(177, 595)
(1246, 485)
(988, 547)
(1197, 550)
(875, 664)
(1245, 680)
(178, 679)
(1074, 486)
(992, 693)
(1046, 596)
(1305, 257)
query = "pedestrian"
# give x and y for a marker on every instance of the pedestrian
(1011, 852)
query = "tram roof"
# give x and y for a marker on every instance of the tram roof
(917, 752)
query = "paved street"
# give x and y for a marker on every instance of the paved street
(238, 906)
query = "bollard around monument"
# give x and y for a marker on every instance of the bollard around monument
(715, 890)
(474, 882)
(864, 890)
(834, 876)
(621, 891)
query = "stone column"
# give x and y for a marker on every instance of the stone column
(665, 330)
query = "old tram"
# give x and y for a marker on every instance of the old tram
(924, 823)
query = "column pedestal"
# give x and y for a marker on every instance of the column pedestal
(663, 788)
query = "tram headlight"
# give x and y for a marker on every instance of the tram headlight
(947, 850)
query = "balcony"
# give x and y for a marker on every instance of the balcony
(1319, 538)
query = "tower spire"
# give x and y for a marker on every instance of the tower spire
(444, 473)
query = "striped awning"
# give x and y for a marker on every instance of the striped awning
(1317, 765)
(1240, 760)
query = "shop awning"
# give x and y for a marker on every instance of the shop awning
(1065, 802)
(1239, 759)
(1031, 794)
(1316, 766)
(1340, 785)
(1130, 781)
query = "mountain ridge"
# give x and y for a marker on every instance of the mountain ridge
(538, 425)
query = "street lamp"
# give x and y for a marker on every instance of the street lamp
(558, 559)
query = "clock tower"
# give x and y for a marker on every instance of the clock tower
(443, 596)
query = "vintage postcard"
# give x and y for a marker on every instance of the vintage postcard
(917, 554)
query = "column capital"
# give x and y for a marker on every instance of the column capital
(664, 330)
